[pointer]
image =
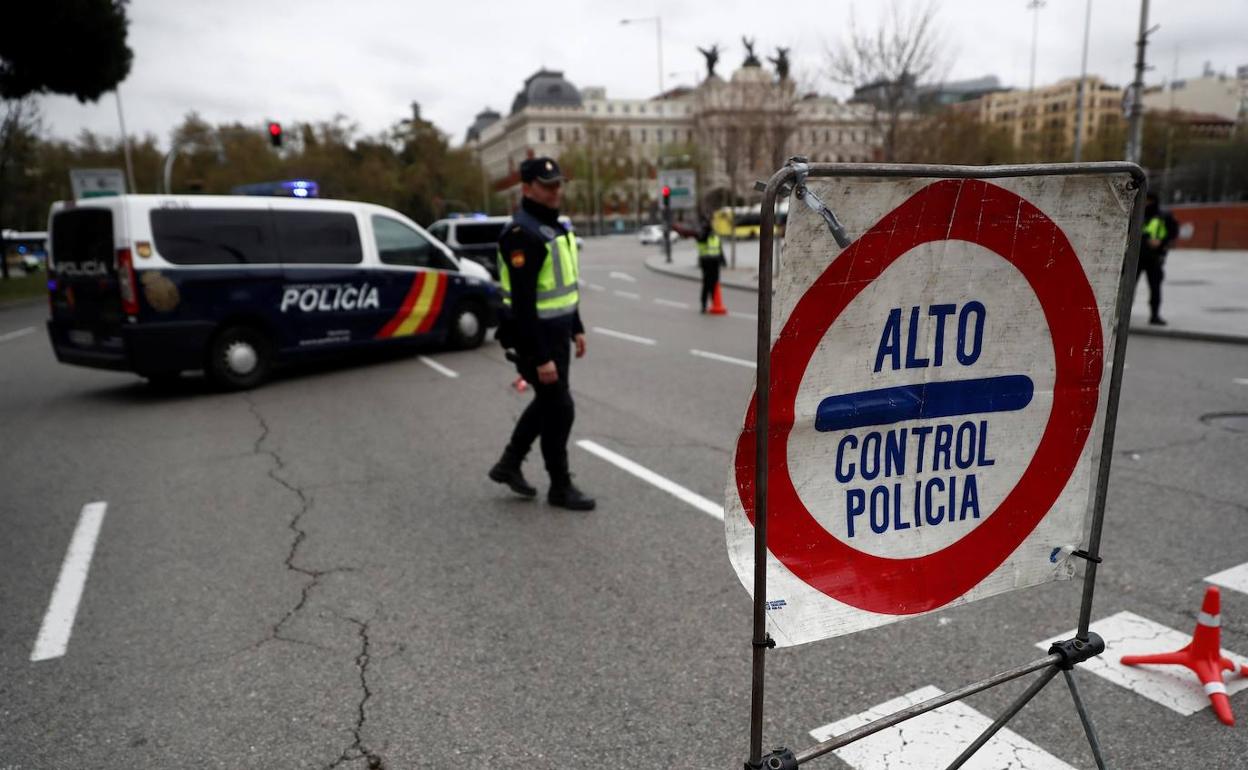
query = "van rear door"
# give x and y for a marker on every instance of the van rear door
(83, 284)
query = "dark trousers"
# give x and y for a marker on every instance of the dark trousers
(1152, 265)
(548, 416)
(710, 277)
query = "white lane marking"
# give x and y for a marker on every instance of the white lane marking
(58, 622)
(1235, 578)
(625, 336)
(672, 303)
(594, 286)
(626, 294)
(725, 359)
(1240, 380)
(746, 316)
(16, 334)
(650, 477)
(934, 739)
(437, 367)
(622, 276)
(1126, 633)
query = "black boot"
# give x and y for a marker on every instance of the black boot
(507, 471)
(564, 494)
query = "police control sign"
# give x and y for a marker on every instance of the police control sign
(938, 396)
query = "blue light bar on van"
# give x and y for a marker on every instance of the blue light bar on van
(289, 188)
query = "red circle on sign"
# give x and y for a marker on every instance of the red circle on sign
(1006, 224)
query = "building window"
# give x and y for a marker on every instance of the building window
(658, 135)
(689, 135)
(610, 134)
(541, 135)
(576, 134)
(827, 136)
(593, 108)
(643, 136)
(642, 109)
(558, 134)
(625, 108)
(610, 108)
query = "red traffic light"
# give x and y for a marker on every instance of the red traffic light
(667, 191)
(275, 133)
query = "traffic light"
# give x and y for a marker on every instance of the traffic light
(275, 133)
(667, 196)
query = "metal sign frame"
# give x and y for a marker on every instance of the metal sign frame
(1062, 656)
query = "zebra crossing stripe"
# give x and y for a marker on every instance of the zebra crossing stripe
(934, 739)
(1235, 578)
(1129, 634)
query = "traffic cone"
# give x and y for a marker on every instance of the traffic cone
(1203, 655)
(717, 303)
(520, 385)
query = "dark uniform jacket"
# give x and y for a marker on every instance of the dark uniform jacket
(533, 338)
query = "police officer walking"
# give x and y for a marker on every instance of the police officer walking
(1160, 230)
(537, 267)
(710, 256)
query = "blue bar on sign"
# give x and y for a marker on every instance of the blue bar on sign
(927, 401)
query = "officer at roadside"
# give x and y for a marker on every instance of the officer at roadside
(710, 255)
(537, 267)
(1160, 230)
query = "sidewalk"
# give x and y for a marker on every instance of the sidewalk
(1204, 297)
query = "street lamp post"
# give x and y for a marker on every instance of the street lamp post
(658, 40)
(1080, 109)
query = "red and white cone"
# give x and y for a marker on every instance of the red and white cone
(520, 385)
(717, 303)
(1203, 655)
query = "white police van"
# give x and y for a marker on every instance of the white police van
(232, 285)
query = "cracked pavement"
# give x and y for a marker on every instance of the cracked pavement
(316, 574)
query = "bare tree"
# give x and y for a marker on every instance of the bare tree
(887, 64)
(746, 126)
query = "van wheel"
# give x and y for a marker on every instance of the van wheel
(467, 326)
(239, 358)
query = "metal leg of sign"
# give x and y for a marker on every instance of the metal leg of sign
(1093, 742)
(1063, 656)
(1032, 690)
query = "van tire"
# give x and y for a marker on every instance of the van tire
(239, 358)
(466, 327)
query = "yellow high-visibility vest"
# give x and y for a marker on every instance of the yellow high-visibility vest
(557, 280)
(1155, 228)
(710, 247)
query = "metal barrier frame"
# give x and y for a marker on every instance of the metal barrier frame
(1062, 656)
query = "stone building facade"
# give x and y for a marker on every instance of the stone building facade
(733, 131)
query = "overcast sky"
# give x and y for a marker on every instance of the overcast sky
(250, 60)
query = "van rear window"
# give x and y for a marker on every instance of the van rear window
(318, 238)
(82, 237)
(214, 236)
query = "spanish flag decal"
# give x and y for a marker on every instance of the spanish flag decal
(420, 307)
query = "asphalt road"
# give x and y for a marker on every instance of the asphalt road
(318, 574)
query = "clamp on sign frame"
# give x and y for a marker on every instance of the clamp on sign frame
(1063, 656)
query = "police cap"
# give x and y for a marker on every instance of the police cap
(544, 170)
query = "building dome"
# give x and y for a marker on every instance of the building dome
(546, 88)
(484, 119)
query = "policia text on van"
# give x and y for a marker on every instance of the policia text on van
(231, 285)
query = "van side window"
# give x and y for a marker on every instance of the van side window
(398, 244)
(439, 231)
(214, 236)
(478, 233)
(318, 238)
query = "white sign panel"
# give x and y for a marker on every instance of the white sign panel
(683, 185)
(95, 182)
(938, 396)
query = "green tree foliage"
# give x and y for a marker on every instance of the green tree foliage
(72, 47)
(953, 136)
(410, 167)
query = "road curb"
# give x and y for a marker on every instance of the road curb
(657, 265)
(1152, 331)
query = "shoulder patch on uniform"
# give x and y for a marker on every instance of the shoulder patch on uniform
(517, 258)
